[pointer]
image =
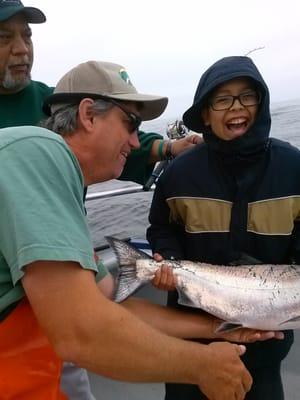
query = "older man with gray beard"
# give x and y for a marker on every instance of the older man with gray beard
(17, 90)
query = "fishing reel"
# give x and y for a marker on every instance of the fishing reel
(176, 130)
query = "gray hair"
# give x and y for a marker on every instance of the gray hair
(64, 120)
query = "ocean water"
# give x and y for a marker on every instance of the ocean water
(126, 216)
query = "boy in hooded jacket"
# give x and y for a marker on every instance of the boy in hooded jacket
(234, 196)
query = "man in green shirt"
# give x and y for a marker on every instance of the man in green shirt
(21, 97)
(21, 100)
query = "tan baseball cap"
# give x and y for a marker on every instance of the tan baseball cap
(105, 80)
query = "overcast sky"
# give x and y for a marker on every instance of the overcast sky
(166, 45)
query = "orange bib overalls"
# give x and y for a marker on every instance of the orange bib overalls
(29, 368)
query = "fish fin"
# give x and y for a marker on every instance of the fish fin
(295, 319)
(245, 259)
(228, 326)
(127, 281)
(125, 252)
(184, 300)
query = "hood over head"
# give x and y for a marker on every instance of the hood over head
(224, 70)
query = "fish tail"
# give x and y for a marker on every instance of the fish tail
(127, 255)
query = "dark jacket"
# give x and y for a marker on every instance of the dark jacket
(222, 200)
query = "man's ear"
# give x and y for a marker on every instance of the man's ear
(205, 116)
(85, 114)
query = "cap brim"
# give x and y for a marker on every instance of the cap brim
(33, 15)
(152, 106)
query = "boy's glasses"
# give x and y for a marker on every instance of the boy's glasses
(246, 99)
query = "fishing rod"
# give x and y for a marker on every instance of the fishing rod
(175, 130)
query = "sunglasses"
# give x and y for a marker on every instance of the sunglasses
(133, 119)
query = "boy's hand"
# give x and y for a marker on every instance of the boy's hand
(164, 278)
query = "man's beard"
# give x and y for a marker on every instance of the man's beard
(13, 83)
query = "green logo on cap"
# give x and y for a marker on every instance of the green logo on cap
(125, 76)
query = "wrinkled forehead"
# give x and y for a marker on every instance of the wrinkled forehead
(234, 85)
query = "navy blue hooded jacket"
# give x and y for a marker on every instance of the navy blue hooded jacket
(223, 200)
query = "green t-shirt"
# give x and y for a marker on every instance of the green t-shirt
(24, 107)
(42, 212)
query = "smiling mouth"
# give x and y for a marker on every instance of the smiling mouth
(19, 68)
(124, 154)
(237, 125)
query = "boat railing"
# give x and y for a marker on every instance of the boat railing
(104, 251)
(116, 192)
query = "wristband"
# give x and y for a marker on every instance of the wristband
(168, 154)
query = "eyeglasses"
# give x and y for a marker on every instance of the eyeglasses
(133, 119)
(246, 99)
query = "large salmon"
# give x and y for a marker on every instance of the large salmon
(258, 296)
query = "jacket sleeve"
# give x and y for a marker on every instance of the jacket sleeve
(137, 168)
(165, 237)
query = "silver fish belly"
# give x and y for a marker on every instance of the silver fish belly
(255, 296)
